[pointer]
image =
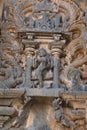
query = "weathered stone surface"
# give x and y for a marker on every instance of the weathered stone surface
(81, 95)
(8, 111)
(43, 65)
(5, 102)
(12, 93)
(3, 119)
(44, 92)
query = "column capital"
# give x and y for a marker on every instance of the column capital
(56, 47)
(29, 47)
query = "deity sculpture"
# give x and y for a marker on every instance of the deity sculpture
(42, 64)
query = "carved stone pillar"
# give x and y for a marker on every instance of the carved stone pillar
(56, 69)
(56, 50)
(29, 51)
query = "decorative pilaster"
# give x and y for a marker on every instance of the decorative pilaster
(56, 51)
(29, 51)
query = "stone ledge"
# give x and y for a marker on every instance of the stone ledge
(11, 93)
(35, 92)
(81, 95)
(44, 92)
(7, 111)
(55, 93)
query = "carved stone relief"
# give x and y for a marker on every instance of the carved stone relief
(43, 56)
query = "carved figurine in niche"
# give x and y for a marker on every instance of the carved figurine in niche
(42, 64)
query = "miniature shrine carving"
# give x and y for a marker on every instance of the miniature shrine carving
(43, 65)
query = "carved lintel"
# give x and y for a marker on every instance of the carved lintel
(29, 51)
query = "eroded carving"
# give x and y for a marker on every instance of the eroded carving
(60, 116)
(10, 71)
(41, 19)
(44, 45)
(74, 77)
(42, 63)
(12, 75)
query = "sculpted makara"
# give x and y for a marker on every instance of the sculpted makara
(43, 57)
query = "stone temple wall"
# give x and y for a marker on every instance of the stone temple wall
(43, 64)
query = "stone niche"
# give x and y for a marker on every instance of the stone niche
(43, 65)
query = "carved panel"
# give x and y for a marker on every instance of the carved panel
(43, 56)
